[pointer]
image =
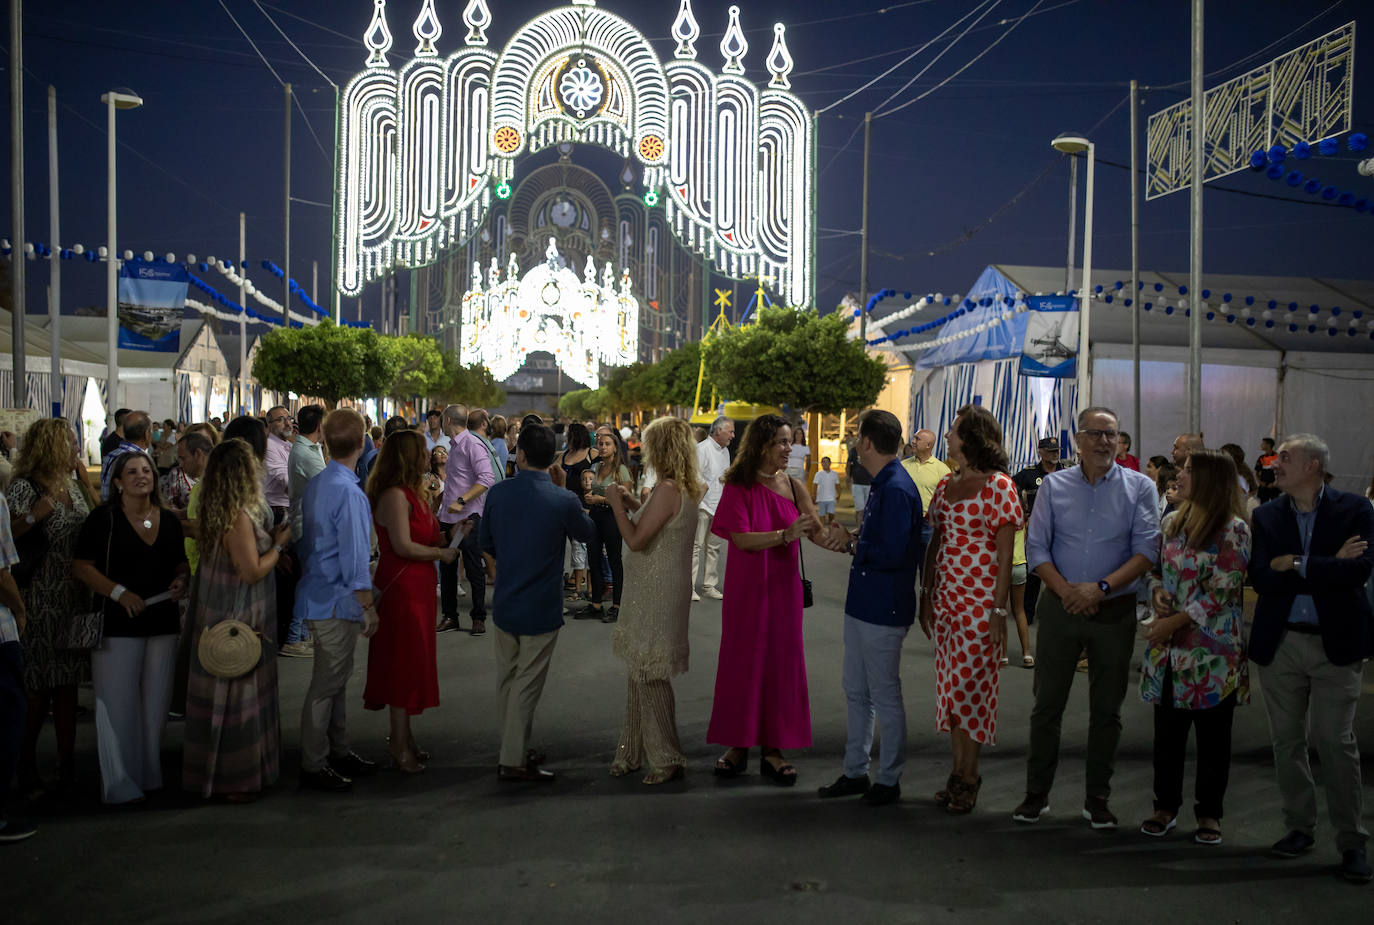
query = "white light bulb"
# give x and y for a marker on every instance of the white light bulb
(103, 251)
(128, 255)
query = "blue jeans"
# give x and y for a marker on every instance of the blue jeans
(873, 688)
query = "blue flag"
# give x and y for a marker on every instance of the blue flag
(151, 297)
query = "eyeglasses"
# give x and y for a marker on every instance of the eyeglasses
(1100, 434)
(279, 420)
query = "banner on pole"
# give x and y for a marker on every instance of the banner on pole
(151, 297)
(1051, 346)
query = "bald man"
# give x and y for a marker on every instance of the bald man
(1184, 446)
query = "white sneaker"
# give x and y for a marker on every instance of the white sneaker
(298, 650)
(462, 592)
(696, 596)
(714, 595)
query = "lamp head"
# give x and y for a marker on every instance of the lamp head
(124, 98)
(1071, 143)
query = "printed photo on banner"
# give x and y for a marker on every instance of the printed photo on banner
(1051, 345)
(151, 298)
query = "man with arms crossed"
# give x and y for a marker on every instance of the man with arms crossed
(1094, 532)
(1311, 634)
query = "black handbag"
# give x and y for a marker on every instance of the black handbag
(807, 598)
(32, 548)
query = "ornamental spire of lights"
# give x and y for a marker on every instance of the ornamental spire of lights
(477, 17)
(378, 36)
(427, 31)
(734, 46)
(686, 31)
(779, 60)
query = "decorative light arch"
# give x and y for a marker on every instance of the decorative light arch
(423, 147)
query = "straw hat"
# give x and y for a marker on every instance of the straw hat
(230, 649)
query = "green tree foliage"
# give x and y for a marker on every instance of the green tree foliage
(796, 358)
(582, 404)
(326, 361)
(678, 374)
(633, 388)
(471, 385)
(421, 365)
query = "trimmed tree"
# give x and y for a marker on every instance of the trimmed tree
(582, 404)
(473, 385)
(797, 358)
(678, 371)
(326, 361)
(421, 365)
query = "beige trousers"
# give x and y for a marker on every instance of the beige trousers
(522, 665)
(708, 542)
(324, 717)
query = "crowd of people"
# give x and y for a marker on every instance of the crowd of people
(204, 553)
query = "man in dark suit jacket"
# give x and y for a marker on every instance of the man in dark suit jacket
(1312, 631)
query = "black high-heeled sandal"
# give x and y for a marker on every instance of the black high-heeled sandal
(784, 775)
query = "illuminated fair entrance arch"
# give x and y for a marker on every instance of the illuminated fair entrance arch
(424, 148)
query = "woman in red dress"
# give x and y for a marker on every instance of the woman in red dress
(401, 670)
(975, 515)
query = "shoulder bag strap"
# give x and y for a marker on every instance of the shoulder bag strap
(801, 555)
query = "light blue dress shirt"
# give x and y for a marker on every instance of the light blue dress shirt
(1089, 530)
(1304, 608)
(335, 545)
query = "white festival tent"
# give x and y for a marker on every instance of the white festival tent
(1257, 380)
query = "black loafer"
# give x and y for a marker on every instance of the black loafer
(882, 794)
(326, 779)
(844, 787)
(352, 765)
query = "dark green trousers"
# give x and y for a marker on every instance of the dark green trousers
(1108, 637)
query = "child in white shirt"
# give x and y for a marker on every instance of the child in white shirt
(826, 481)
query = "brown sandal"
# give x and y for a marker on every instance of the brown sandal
(942, 796)
(963, 797)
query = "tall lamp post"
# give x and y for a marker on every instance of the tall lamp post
(115, 99)
(1075, 143)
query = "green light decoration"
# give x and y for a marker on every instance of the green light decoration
(651, 198)
(503, 190)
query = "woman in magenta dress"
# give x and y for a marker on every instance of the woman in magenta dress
(401, 670)
(761, 695)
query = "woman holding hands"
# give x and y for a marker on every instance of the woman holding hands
(610, 471)
(975, 516)
(761, 696)
(651, 635)
(1195, 669)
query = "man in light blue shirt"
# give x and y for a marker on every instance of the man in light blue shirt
(334, 597)
(1093, 533)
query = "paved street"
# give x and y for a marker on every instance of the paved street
(455, 845)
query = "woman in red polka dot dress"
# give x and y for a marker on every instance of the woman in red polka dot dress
(975, 515)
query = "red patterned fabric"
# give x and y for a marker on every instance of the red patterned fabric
(966, 663)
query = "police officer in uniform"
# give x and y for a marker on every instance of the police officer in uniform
(1028, 483)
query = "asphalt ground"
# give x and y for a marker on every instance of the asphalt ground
(456, 845)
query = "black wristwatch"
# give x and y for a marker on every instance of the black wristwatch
(1104, 587)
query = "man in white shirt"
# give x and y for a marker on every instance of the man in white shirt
(434, 431)
(713, 458)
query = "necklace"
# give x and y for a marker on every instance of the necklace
(147, 520)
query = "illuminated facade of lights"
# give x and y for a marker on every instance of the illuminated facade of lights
(584, 323)
(426, 147)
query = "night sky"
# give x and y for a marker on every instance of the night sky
(207, 143)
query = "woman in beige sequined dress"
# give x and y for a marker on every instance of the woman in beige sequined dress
(652, 633)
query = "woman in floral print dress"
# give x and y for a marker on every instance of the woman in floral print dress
(1195, 669)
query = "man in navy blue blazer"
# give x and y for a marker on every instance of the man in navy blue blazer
(1312, 631)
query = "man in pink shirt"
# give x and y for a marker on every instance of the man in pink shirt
(467, 477)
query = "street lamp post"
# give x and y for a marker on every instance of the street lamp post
(1075, 143)
(113, 100)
